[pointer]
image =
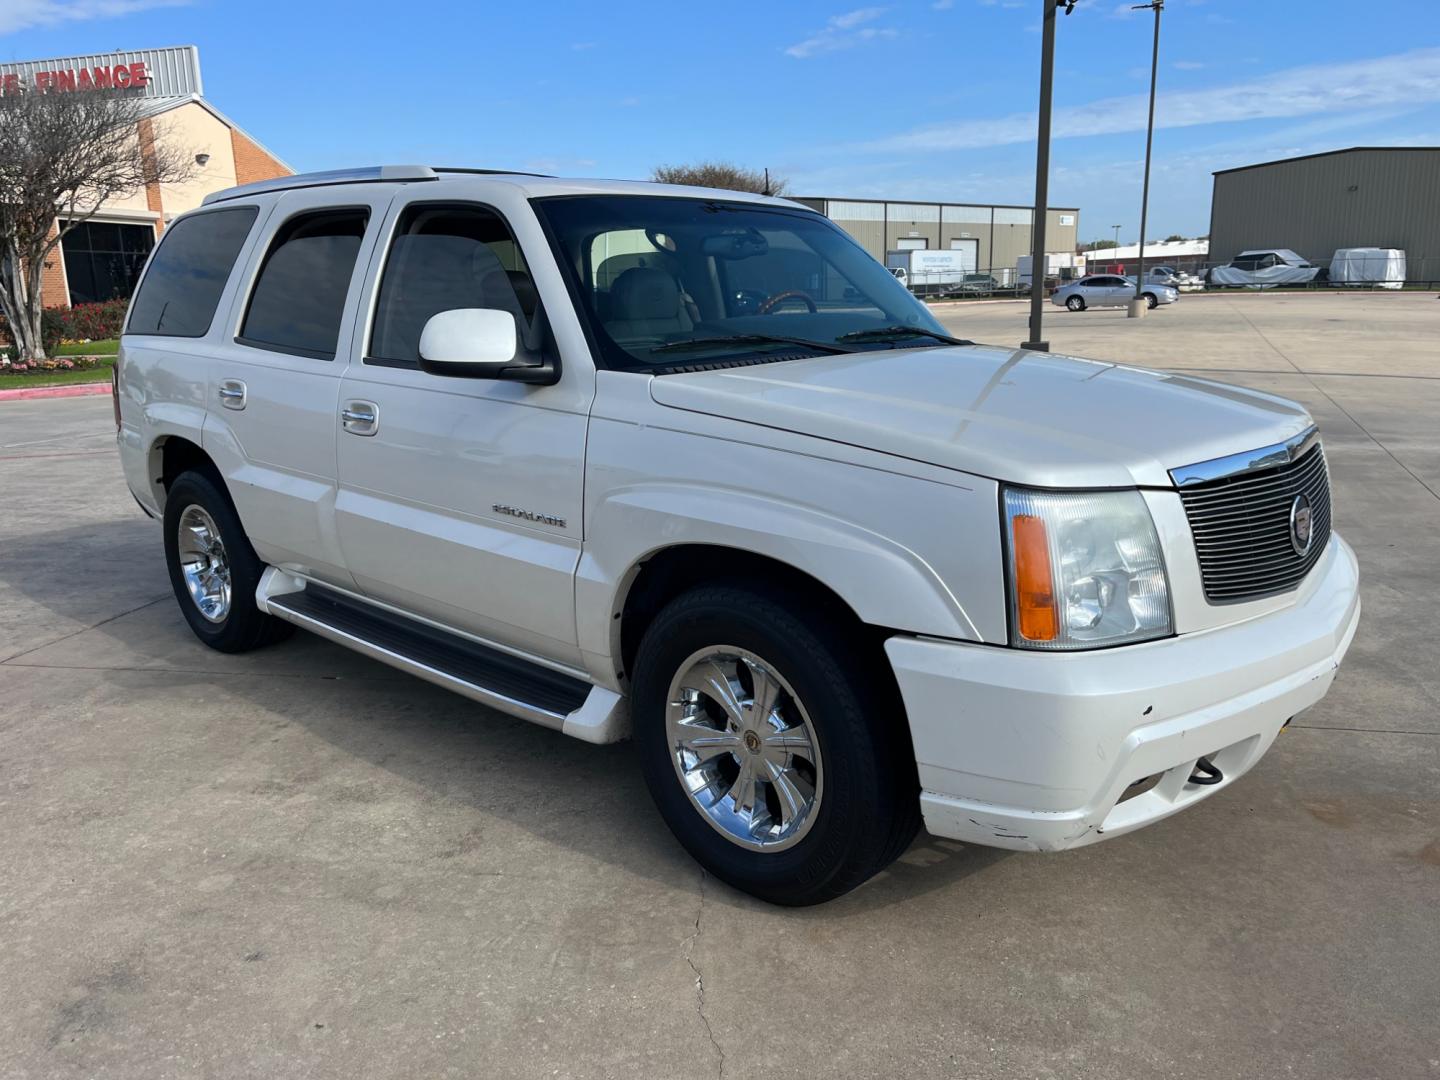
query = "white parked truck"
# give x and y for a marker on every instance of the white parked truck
(930, 272)
(690, 467)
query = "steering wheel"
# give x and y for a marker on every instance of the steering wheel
(770, 303)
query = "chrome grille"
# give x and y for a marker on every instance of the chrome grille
(1241, 525)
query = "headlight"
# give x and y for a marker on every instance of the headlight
(1085, 569)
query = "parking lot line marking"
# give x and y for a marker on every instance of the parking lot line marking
(381, 677)
(1301, 371)
(36, 457)
(1362, 730)
(57, 438)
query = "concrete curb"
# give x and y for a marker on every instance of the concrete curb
(27, 393)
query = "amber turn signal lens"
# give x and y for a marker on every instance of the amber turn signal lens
(1034, 591)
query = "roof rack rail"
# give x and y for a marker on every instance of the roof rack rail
(369, 174)
(491, 172)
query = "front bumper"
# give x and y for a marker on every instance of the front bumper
(1033, 751)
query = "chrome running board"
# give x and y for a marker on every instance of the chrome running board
(490, 676)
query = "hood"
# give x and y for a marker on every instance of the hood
(1009, 414)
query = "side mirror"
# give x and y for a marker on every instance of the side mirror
(477, 343)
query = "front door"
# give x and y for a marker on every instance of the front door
(460, 499)
(270, 425)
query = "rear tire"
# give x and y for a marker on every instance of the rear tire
(213, 569)
(802, 785)
(1075, 303)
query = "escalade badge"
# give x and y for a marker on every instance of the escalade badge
(529, 515)
(1302, 520)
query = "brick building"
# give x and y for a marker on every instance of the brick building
(102, 258)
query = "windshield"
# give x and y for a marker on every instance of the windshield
(666, 282)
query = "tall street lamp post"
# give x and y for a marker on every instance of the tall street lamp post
(1116, 253)
(1042, 175)
(1137, 305)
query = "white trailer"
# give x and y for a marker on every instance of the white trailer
(1064, 266)
(930, 272)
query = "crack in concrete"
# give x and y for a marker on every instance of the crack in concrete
(700, 978)
(81, 630)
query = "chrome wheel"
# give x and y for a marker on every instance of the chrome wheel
(203, 563)
(1074, 303)
(743, 748)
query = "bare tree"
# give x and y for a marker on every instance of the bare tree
(63, 156)
(721, 174)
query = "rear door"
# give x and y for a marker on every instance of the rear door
(461, 499)
(271, 424)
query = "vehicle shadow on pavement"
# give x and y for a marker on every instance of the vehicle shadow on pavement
(76, 576)
(362, 720)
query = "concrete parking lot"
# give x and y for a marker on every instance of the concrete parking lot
(299, 863)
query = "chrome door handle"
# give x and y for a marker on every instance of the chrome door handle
(232, 393)
(360, 417)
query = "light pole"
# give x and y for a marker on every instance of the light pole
(1137, 305)
(1042, 174)
(1116, 252)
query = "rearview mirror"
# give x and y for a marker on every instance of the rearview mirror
(735, 244)
(475, 342)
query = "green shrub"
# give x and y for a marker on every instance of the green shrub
(83, 322)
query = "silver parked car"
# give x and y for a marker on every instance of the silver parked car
(1110, 290)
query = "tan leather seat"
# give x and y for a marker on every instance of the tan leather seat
(647, 304)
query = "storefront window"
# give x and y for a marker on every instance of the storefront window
(103, 259)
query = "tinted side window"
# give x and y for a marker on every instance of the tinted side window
(188, 273)
(445, 257)
(299, 296)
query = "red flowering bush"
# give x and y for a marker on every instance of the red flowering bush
(83, 322)
(89, 322)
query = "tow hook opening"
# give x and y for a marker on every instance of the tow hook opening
(1139, 787)
(1206, 772)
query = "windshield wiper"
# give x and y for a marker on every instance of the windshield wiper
(880, 333)
(749, 339)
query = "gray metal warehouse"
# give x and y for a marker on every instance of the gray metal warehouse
(1366, 196)
(996, 236)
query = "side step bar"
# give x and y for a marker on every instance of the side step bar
(507, 683)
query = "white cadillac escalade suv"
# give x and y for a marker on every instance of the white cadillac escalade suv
(690, 467)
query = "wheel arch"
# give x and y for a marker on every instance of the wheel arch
(171, 455)
(878, 580)
(670, 571)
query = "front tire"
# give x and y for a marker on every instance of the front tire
(1075, 303)
(1151, 301)
(213, 569)
(774, 747)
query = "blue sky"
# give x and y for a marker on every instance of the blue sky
(930, 99)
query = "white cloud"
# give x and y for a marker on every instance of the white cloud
(852, 19)
(26, 14)
(1188, 65)
(1402, 80)
(943, 5)
(843, 31)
